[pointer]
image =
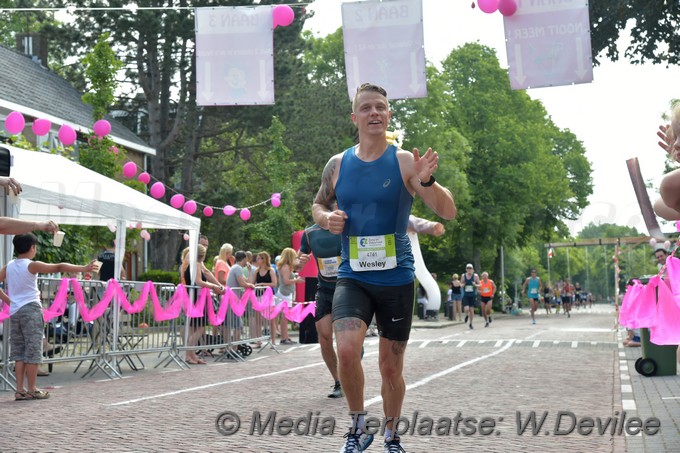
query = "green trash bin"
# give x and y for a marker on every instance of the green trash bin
(656, 360)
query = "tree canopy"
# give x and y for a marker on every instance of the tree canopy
(516, 177)
(652, 25)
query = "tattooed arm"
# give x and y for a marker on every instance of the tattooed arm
(324, 209)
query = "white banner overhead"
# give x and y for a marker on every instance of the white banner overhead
(384, 45)
(548, 44)
(234, 56)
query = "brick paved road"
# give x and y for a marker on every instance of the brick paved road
(510, 368)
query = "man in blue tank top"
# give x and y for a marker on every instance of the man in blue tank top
(374, 184)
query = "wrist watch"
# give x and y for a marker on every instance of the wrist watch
(428, 183)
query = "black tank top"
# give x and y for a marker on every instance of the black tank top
(266, 278)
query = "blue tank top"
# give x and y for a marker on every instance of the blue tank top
(469, 288)
(532, 288)
(376, 202)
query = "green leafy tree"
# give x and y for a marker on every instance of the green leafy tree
(157, 46)
(101, 67)
(652, 26)
(425, 124)
(516, 176)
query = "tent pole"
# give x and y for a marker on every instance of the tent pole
(8, 210)
(502, 279)
(117, 264)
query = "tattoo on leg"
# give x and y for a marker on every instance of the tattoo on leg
(347, 324)
(398, 347)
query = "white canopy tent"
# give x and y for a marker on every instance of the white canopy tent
(56, 188)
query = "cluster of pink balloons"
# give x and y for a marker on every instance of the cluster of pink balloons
(282, 15)
(276, 200)
(506, 7)
(15, 124)
(177, 201)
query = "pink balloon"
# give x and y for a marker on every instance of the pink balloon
(144, 177)
(229, 210)
(507, 7)
(114, 150)
(177, 201)
(276, 202)
(101, 128)
(208, 211)
(15, 123)
(245, 214)
(145, 235)
(189, 207)
(276, 195)
(157, 190)
(138, 225)
(129, 169)
(186, 237)
(67, 135)
(41, 127)
(488, 6)
(282, 15)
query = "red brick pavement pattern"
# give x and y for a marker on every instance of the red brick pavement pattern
(179, 415)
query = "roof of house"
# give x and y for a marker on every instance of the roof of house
(30, 88)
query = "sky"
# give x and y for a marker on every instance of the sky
(616, 116)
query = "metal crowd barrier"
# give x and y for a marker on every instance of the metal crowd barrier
(118, 338)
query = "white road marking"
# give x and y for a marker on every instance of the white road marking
(628, 405)
(428, 379)
(217, 384)
(535, 334)
(291, 349)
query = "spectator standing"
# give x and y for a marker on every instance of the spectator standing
(456, 298)
(26, 317)
(263, 276)
(237, 279)
(287, 281)
(197, 325)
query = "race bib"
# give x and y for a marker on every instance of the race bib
(533, 291)
(328, 267)
(469, 288)
(372, 253)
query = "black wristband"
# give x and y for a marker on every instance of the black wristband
(429, 183)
